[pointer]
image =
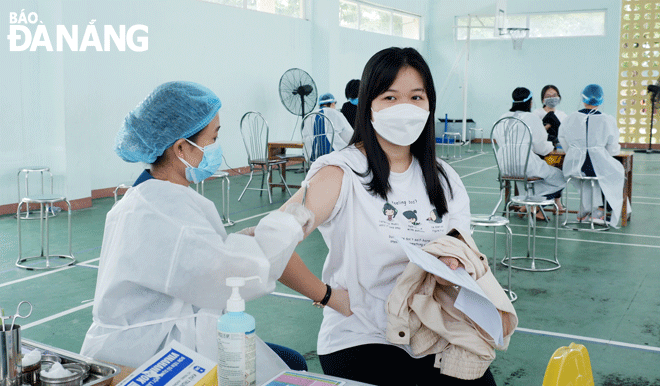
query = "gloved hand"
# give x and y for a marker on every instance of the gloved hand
(249, 231)
(304, 216)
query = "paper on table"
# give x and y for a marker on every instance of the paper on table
(471, 299)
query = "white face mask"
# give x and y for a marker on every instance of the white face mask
(552, 102)
(400, 124)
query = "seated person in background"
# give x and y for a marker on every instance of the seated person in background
(591, 139)
(314, 125)
(165, 253)
(549, 114)
(553, 180)
(350, 108)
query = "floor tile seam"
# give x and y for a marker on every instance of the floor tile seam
(57, 316)
(478, 171)
(465, 159)
(608, 342)
(583, 240)
(84, 265)
(566, 230)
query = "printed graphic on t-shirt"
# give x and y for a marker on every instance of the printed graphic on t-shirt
(411, 215)
(390, 211)
(406, 219)
(433, 217)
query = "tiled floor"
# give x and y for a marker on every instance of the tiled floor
(606, 294)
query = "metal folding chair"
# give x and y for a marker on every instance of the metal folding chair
(512, 145)
(318, 134)
(254, 130)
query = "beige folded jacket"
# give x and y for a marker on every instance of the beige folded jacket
(421, 313)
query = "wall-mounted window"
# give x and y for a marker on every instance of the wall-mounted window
(374, 18)
(541, 25)
(293, 8)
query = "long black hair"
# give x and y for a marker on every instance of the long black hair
(378, 75)
(522, 100)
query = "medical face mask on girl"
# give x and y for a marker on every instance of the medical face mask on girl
(209, 164)
(552, 102)
(400, 124)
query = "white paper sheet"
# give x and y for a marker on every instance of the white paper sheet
(471, 300)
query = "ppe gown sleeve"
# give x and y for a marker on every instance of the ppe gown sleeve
(345, 129)
(613, 147)
(202, 259)
(540, 144)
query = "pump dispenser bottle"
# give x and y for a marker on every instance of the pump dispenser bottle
(237, 359)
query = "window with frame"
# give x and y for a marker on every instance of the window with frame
(374, 18)
(541, 25)
(292, 8)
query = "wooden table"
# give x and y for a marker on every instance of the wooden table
(277, 150)
(556, 158)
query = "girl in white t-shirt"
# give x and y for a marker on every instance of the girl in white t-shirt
(387, 183)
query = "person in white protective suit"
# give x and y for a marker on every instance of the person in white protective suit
(553, 180)
(165, 253)
(591, 139)
(314, 125)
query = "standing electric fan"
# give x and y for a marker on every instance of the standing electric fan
(654, 91)
(298, 92)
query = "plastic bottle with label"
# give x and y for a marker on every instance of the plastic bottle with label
(237, 359)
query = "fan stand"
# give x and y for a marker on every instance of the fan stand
(650, 150)
(302, 106)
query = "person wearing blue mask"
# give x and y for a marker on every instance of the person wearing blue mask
(591, 140)
(314, 125)
(165, 253)
(349, 109)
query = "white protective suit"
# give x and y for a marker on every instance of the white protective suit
(343, 129)
(602, 142)
(553, 179)
(164, 260)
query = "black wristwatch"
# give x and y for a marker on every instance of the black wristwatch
(326, 298)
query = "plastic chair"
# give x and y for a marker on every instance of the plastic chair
(575, 225)
(512, 145)
(318, 134)
(569, 366)
(254, 130)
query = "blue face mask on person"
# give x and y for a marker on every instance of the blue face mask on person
(209, 164)
(353, 101)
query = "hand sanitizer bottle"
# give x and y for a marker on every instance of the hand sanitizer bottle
(237, 359)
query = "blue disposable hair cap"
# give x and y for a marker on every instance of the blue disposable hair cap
(327, 98)
(172, 111)
(593, 95)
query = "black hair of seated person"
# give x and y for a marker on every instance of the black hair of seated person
(352, 88)
(546, 88)
(378, 75)
(519, 95)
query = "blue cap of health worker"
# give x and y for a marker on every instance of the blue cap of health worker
(173, 111)
(592, 95)
(327, 98)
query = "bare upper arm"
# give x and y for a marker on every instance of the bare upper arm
(322, 193)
